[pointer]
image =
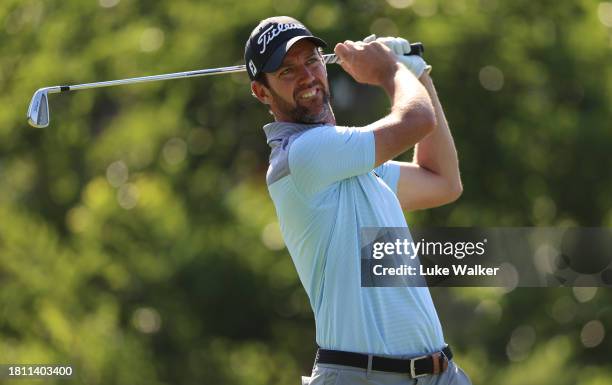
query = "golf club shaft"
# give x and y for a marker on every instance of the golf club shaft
(417, 49)
(38, 110)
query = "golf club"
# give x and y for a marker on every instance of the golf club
(38, 111)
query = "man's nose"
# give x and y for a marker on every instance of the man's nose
(306, 75)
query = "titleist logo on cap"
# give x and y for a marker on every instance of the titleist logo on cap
(273, 31)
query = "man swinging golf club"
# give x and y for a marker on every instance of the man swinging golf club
(328, 182)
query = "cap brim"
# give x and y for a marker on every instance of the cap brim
(276, 59)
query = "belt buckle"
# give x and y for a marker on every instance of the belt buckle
(412, 372)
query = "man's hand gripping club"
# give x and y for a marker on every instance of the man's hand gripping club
(367, 62)
(401, 48)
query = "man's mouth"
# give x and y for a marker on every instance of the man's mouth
(309, 93)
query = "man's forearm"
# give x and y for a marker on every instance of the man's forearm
(436, 152)
(406, 93)
(412, 116)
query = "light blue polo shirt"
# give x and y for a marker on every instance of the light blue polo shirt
(325, 189)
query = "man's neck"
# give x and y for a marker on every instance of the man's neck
(329, 119)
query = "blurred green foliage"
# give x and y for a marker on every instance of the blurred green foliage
(137, 240)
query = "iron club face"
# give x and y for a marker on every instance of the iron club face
(38, 112)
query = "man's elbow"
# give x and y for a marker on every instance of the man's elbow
(420, 121)
(437, 198)
(427, 120)
(454, 191)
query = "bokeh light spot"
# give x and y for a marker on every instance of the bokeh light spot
(97, 194)
(521, 342)
(127, 196)
(146, 320)
(322, 16)
(271, 236)
(117, 173)
(584, 294)
(425, 8)
(174, 151)
(384, 27)
(151, 39)
(78, 219)
(286, 7)
(490, 309)
(108, 3)
(509, 276)
(563, 310)
(592, 334)
(400, 4)
(604, 12)
(455, 7)
(491, 78)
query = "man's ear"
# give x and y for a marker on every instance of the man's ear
(260, 91)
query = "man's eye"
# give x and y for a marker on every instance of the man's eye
(285, 71)
(312, 60)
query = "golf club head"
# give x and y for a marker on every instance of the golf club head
(38, 112)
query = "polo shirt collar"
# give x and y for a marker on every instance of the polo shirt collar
(277, 131)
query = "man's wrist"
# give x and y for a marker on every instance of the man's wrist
(425, 78)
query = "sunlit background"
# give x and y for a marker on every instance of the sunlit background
(137, 239)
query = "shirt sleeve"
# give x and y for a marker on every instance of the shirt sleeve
(327, 154)
(390, 173)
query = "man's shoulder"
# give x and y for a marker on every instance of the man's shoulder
(281, 138)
